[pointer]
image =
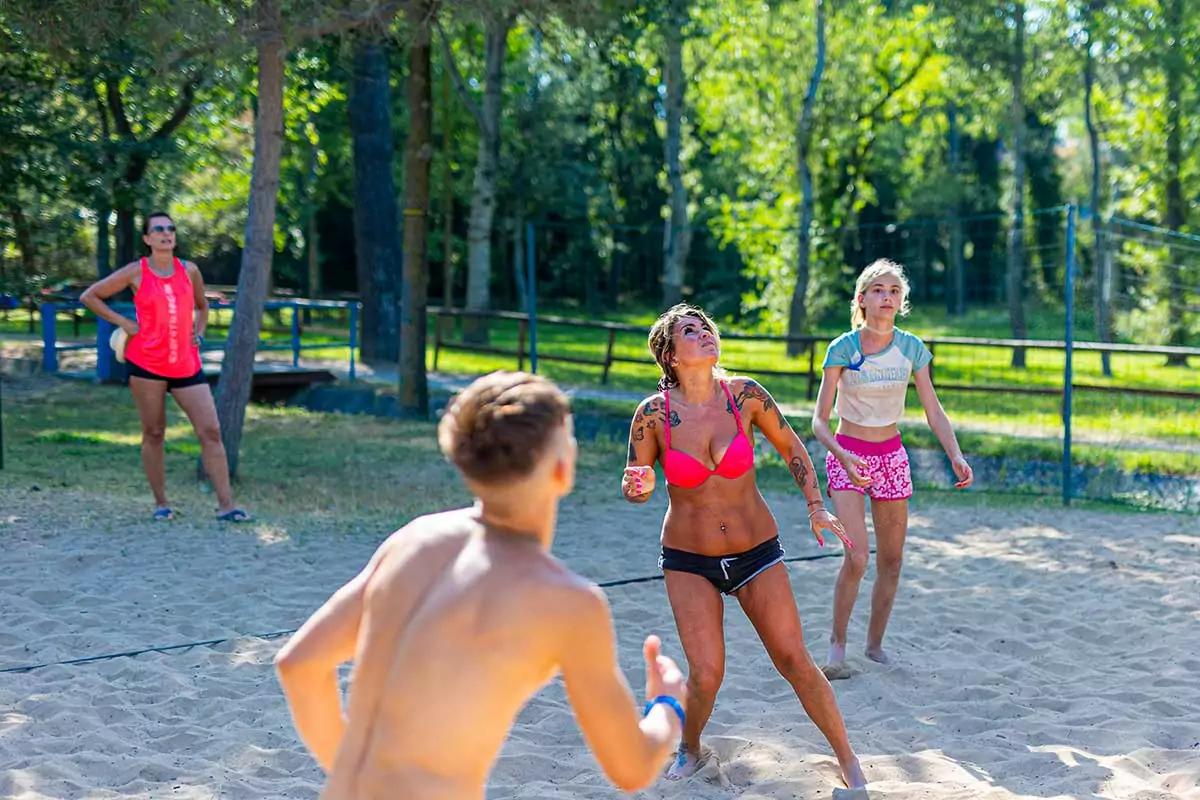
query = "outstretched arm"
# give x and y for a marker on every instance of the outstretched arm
(307, 667)
(939, 423)
(757, 403)
(637, 482)
(630, 748)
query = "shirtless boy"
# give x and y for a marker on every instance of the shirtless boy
(461, 616)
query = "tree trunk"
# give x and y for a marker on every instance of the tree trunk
(375, 228)
(418, 153)
(518, 249)
(1016, 233)
(103, 243)
(1175, 284)
(237, 369)
(1101, 297)
(25, 243)
(956, 301)
(447, 197)
(127, 238)
(312, 238)
(483, 195)
(798, 317)
(677, 237)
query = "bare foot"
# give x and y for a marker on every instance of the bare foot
(836, 668)
(875, 653)
(684, 766)
(853, 775)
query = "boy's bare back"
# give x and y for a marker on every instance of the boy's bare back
(460, 626)
(459, 617)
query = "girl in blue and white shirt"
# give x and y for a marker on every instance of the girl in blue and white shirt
(869, 368)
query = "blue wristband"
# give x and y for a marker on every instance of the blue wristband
(670, 701)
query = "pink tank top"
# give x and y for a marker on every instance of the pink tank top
(166, 320)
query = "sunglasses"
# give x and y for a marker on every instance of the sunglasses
(162, 229)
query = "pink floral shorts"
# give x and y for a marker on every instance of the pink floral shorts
(887, 465)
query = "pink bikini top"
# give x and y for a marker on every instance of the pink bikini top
(687, 472)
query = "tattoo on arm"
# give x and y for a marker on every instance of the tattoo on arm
(756, 392)
(800, 472)
(646, 418)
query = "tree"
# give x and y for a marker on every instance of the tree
(498, 21)
(237, 368)
(1176, 206)
(798, 318)
(1102, 262)
(677, 236)
(376, 235)
(1016, 273)
(418, 153)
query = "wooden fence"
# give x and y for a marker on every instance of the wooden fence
(811, 371)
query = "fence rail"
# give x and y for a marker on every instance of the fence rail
(51, 347)
(810, 371)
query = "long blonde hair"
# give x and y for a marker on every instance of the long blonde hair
(878, 267)
(661, 340)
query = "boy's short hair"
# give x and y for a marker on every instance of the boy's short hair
(499, 427)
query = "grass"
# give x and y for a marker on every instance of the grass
(319, 474)
(1115, 428)
(337, 472)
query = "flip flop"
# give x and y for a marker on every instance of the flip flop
(161, 514)
(236, 515)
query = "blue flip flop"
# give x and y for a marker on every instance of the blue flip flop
(236, 515)
(161, 514)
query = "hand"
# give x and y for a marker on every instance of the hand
(820, 519)
(197, 340)
(129, 326)
(637, 481)
(856, 469)
(963, 470)
(663, 676)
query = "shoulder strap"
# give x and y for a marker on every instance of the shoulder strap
(737, 415)
(667, 418)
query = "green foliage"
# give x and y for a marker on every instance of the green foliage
(582, 141)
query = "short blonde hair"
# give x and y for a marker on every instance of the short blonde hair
(499, 427)
(877, 268)
(662, 339)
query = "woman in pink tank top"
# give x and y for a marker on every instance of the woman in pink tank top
(719, 537)
(163, 355)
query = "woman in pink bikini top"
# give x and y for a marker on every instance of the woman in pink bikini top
(719, 537)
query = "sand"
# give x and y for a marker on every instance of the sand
(1038, 654)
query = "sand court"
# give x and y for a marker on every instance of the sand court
(1040, 653)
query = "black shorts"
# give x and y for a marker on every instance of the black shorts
(172, 383)
(727, 573)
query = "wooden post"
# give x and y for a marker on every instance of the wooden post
(812, 369)
(521, 345)
(437, 338)
(608, 355)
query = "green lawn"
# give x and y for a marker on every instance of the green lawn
(315, 473)
(1110, 428)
